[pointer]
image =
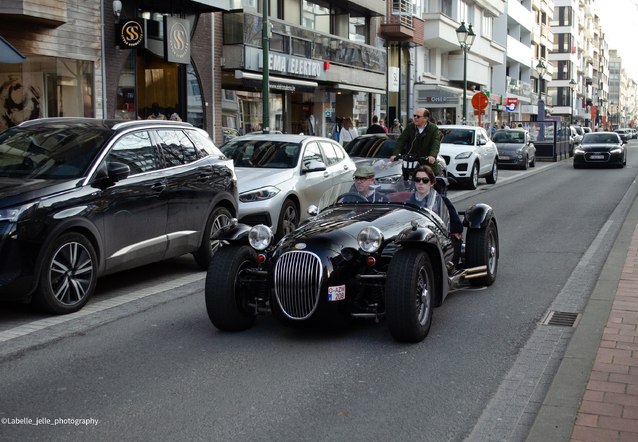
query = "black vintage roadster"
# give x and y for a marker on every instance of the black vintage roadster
(353, 259)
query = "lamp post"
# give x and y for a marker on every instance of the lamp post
(266, 71)
(466, 39)
(542, 70)
(572, 85)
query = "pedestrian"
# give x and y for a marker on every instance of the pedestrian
(348, 132)
(396, 127)
(375, 127)
(420, 138)
(382, 124)
(336, 129)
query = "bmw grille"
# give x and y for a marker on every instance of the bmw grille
(297, 283)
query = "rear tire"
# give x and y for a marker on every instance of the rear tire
(482, 250)
(226, 300)
(409, 292)
(218, 218)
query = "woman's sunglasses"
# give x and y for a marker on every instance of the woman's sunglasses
(424, 180)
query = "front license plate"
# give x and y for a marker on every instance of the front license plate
(597, 157)
(337, 293)
(503, 157)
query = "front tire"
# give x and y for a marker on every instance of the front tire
(493, 176)
(473, 182)
(288, 219)
(218, 218)
(533, 163)
(226, 299)
(409, 292)
(68, 276)
(526, 163)
(482, 250)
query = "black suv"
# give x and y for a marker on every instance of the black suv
(82, 198)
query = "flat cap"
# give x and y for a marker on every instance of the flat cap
(364, 172)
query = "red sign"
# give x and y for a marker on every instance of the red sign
(477, 112)
(509, 101)
(480, 101)
(305, 108)
(593, 113)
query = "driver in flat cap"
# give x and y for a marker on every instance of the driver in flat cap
(363, 179)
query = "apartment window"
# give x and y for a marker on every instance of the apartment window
(487, 26)
(463, 12)
(564, 43)
(444, 65)
(564, 16)
(427, 61)
(446, 7)
(358, 29)
(316, 16)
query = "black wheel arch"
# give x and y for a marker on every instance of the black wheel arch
(478, 216)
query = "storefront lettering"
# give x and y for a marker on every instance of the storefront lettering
(437, 99)
(296, 66)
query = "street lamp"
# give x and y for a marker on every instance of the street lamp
(572, 85)
(542, 70)
(466, 39)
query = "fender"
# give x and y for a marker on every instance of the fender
(478, 216)
(233, 233)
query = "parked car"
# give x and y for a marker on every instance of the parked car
(228, 133)
(82, 198)
(280, 174)
(469, 154)
(515, 148)
(375, 150)
(587, 129)
(624, 134)
(601, 148)
(353, 259)
(579, 133)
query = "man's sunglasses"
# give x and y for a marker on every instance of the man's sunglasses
(424, 180)
(418, 116)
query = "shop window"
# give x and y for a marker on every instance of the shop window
(195, 111)
(125, 104)
(45, 87)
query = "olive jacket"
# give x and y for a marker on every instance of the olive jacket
(426, 144)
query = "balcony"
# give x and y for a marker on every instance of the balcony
(440, 32)
(520, 88)
(52, 13)
(518, 51)
(520, 14)
(399, 24)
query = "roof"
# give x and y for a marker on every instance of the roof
(102, 124)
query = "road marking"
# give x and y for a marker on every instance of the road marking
(97, 307)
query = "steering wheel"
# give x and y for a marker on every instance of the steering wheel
(356, 196)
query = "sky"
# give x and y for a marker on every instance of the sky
(619, 22)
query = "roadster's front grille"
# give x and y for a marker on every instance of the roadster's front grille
(297, 282)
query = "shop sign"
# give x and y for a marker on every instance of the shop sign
(511, 103)
(394, 75)
(177, 44)
(436, 96)
(130, 34)
(258, 85)
(283, 64)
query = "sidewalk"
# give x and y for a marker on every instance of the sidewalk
(594, 395)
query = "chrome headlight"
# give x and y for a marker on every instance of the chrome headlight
(260, 237)
(13, 214)
(464, 155)
(577, 150)
(370, 239)
(264, 193)
(391, 179)
(616, 150)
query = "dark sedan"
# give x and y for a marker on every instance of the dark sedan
(601, 148)
(81, 198)
(515, 148)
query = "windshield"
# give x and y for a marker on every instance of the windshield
(50, 152)
(509, 137)
(371, 147)
(458, 136)
(579, 130)
(345, 194)
(262, 153)
(600, 138)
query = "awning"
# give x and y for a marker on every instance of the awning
(276, 83)
(9, 54)
(355, 88)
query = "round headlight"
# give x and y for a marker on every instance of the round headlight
(370, 239)
(260, 237)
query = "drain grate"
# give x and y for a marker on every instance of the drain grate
(561, 319)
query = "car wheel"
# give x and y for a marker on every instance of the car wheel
(493, 176)
(473, 182)
(226, 296)
(624, 162)
(576, 166)
(288, 219)
(68, 275)
(409, 290)
(218, 218)
(481, 249)
(533, 163)
(525, 163)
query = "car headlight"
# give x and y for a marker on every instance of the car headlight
(464, 155)
(577, 150)
(264, 193)
(13, 214)
(616, 150)
(370, 239)
(519, 151)
(391, 179)
(260, 237)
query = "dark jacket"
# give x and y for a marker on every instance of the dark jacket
(432, 201)
(426, 144)
(375, 129)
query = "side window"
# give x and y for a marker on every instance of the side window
(203, 144)
(340, 152)
(331, 155)
(312, 153)
(176, 148)
(136, 151)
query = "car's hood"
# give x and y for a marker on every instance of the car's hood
(18, 191)
(251, 178)
(509, 147)
(603, 147)
(382, 166)
(454, 149)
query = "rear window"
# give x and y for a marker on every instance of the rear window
(375, 147)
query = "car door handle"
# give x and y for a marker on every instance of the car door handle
(158, 187)
(345, 167)
(326, 174)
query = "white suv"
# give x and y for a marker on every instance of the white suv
(469, 154)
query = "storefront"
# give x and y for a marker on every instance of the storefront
(444, 103)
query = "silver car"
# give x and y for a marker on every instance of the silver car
(280, 175)
(515, 148)
(375, 150)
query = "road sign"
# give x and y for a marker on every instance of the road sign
(480, 101)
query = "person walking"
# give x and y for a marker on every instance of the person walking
(382, 124)
(375, 127)
(420, 138)
(348, 132)
(396, 127)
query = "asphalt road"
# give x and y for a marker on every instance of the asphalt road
(156, 369)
